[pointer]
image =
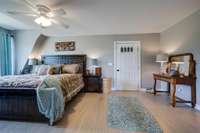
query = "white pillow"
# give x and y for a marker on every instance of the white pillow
(35, 69)
(43, 70)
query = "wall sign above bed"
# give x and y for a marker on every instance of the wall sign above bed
(65, 46)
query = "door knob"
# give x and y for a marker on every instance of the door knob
(117, 70)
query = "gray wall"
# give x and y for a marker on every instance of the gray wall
(25, 41)
(184, 37)
(102, 47)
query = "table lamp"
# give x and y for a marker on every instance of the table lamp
(93, 63)
(32, 61)
(162, 58)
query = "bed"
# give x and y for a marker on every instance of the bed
(31, 100)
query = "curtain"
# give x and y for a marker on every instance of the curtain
(5, 53)
(12, 55)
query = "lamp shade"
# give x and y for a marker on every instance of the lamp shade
(33, 61)
(93, 62)
(161, 58)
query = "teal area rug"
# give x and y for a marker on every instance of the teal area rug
(129, 114)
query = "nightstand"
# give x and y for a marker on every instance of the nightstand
(93, 83)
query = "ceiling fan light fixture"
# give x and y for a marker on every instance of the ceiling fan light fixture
(43, 21)
(50, 14)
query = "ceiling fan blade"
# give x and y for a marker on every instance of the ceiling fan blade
(60, 23)
(22, 13)
(30, 5)
(57, 12)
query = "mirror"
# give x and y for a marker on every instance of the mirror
(182, 64)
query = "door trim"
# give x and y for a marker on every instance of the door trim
(138, 43)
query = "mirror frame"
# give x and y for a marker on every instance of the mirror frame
(192, 63)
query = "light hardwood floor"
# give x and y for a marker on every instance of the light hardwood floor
(87, 114)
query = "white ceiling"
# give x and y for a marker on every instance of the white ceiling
(88, 17)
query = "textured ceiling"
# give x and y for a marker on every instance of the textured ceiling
(89, 17)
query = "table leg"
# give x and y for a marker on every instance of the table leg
(193, 96)
(173, 94)
(169, 88)
(154, 87)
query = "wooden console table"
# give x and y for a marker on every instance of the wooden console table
(189, 80)
(174, 80)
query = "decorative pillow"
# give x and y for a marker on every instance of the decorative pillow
(35, 69)
(70, 68)
(43, 70)
(54, 70)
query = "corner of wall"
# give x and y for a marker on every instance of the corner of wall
(25, 41)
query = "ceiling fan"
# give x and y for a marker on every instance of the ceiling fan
(45, 16)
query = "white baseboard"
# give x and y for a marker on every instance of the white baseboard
(197, 107)
(113, 89)
(140, 89)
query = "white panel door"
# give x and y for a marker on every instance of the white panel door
(127, 65)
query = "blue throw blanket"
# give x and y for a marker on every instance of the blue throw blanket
(50, 99)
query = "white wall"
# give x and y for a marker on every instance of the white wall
(184, 37)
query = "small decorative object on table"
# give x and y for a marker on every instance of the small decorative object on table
(98, 71)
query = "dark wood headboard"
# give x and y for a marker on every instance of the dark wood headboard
(66, 59)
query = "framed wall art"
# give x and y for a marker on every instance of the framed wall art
(65, 46)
